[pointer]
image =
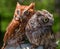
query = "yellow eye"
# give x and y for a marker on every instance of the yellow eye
(18, 12)
(26, 12)
(46, 20)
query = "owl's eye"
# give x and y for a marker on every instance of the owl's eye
(18, 12)
(26, 12)
(45, 20)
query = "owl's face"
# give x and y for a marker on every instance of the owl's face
(22, 11)
(44, 18)
(41, 19)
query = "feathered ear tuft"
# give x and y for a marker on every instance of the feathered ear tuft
(46, 12)
(32, 5)
(18, 4)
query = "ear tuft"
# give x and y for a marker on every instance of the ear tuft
(18, 4)
(32, 5)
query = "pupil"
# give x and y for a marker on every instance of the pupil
(45, 19)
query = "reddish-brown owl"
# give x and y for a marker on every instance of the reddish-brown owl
(16, 28)
(39, 30)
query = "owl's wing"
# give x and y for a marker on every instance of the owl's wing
(10, 30)
(32, 34)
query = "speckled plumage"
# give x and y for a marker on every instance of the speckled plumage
(39, 29)
(15, 31)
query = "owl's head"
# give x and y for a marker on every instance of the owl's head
(44, 18)
(23, 11)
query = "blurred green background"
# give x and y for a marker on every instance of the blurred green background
(7, 8)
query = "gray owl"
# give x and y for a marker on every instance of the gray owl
(39, 30)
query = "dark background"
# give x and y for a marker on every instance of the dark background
(7, 8)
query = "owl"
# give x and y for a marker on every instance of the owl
(39, 30)
(21, 15)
